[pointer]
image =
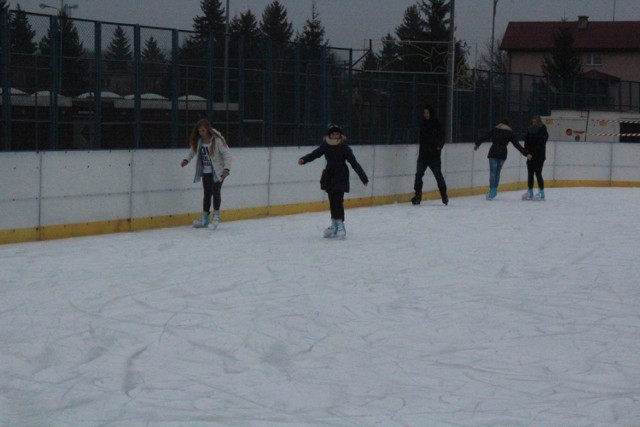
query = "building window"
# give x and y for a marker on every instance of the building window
(594, 60)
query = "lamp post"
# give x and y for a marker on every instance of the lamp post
(492, 63)
(63, 10)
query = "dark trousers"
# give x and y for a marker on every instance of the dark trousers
(436, 167)
(336, 205)
(211, 189)
(534, 167)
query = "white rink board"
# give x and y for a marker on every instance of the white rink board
(56, 188)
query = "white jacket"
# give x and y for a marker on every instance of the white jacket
(220, 157)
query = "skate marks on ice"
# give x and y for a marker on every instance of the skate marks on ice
(504, 313)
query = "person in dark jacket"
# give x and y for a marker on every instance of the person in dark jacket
(500, 137)
(337, 153)
(431, 143)
(535, 143)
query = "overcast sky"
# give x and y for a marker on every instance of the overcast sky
(351, 23)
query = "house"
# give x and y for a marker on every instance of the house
(610, 53)
(609, 50)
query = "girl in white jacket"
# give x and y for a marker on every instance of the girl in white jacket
(213, 163)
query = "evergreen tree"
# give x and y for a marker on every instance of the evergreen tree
(412, 34)
(22, 50)
(155, 64)
(245, 25)
(437, 23)
(370, 62)
(211, 24)
(275, 23)
(73, 64)
(564, 65)
(118, 55)
(390, 53)
(311, 39)
(21, 33)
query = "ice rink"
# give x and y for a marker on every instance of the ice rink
(503, 313)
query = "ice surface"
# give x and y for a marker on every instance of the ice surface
(503, 313)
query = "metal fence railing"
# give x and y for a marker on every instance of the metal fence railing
(78, 84)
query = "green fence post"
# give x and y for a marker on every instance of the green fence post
(175, 87)
(97, 130)
(54, 70)
(6, 79)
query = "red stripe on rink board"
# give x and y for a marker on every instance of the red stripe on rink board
(613, 134)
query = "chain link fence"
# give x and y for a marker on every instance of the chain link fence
(74, 84)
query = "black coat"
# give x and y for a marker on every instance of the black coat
(431, 139)
(500, 136)
(337, 157)
(535, 142)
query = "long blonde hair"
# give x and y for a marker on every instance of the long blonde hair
(195, 135)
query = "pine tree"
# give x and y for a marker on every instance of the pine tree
(412, 55)
(22, 49)
(211, 24)
(437, 23)
(73, 65)
(118, 55)
(311, 39)
(155, 65)
(245, 25)
(275, 23)
(564, 65)
(275, 26)
(22, 34)
(390, 53)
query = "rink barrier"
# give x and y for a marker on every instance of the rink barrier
(55, 195)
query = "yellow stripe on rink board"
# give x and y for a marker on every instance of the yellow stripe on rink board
(64, 231)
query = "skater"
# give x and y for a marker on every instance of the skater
(335, 177)
(535, 143)
(431, 143)
(212, 166)
(500, 136)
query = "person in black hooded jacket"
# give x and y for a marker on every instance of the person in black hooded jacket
(500, 137)
(431, 143)
(337, 153)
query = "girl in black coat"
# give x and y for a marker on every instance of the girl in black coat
(335, 180)
(535, 143)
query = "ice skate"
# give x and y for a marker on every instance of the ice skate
(330, 232)
(216, 220)
(415, 200)
(341, 231)
(202, 222)
(528, 195)
(539, 196)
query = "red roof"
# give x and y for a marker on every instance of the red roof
(610, 35)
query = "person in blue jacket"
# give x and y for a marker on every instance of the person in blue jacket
(500, 137)
(335, 180)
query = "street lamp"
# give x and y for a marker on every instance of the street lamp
(63, 10)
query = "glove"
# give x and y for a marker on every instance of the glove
(225, 173)
(184, 162)
(529, 157)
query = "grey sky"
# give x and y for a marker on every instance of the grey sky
(351, 23)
